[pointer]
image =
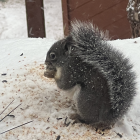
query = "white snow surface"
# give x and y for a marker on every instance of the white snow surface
(43, 103)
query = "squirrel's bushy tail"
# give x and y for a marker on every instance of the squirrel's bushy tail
(93, 49)
(85, 34)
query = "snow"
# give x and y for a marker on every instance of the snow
(43, 103)
(53, 19)
(22, 59)
(13, 19)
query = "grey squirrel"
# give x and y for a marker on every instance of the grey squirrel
(104, 76)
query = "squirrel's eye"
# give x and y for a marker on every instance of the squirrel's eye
(52, 55)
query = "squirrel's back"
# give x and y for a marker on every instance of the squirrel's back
(92, 47)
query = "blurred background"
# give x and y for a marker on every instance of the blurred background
(120, 19)
(13, 22)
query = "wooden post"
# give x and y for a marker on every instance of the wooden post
(35, 18)
(66, 23)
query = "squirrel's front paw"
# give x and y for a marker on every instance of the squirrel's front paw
(76, 118)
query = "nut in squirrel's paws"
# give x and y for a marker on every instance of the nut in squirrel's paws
(50, 70)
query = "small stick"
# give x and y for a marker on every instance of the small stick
(15, 127)
(9, 113)
(7, 107)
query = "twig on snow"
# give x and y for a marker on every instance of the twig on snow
(6, 107)
(15, 127)
(10, 112)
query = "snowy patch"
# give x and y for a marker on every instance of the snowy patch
(22, 66)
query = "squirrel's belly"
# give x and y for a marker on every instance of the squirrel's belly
(73, 92)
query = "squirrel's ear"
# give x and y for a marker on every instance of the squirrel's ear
(67, 46)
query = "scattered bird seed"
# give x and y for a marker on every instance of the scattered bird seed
(59, 118)
(65, 122)
(58, 137)
(4, 81)
(48, 119)
(119, 134)
(3, 74)
(47, 128)
(13, 116)
(134, 128)
(21, 54)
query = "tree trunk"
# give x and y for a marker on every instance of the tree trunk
(133, 9)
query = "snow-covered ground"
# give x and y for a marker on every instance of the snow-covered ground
(42, 101)
(22, 60)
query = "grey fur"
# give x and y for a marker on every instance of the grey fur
(104, 74)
